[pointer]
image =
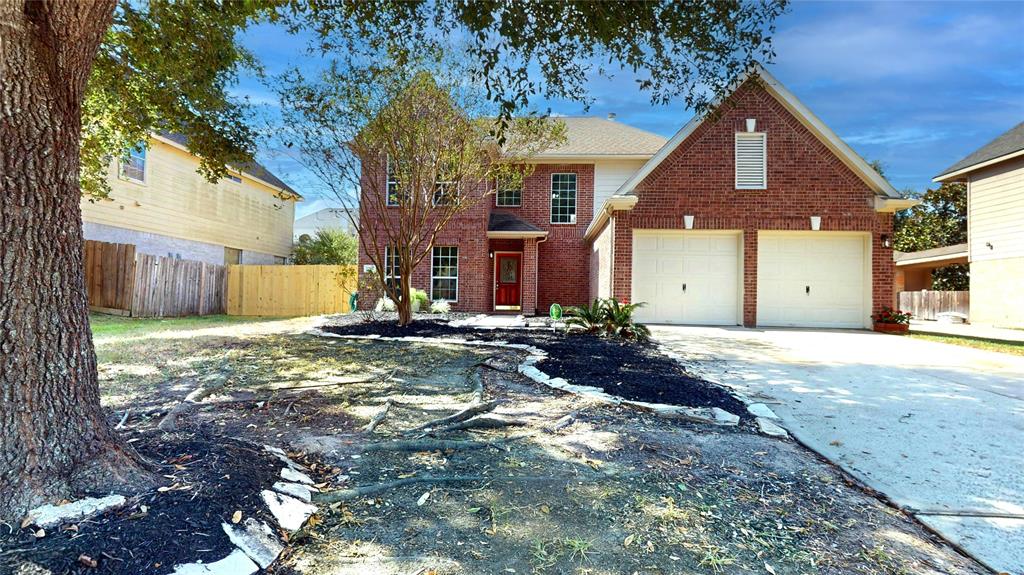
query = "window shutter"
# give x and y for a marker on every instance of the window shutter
(751, 161)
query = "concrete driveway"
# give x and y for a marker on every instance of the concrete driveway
(938, 428)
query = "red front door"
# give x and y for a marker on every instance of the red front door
(507, 280)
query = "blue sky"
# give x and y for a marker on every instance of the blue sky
(917, 85)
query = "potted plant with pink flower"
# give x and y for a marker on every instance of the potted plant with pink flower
(890, 320)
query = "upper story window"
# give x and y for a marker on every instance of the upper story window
(509, 193)
(235, 178)
(751, 161)
(392, 185)
(563, 198)
(134, 168)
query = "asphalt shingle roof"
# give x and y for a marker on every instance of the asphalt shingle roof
(254, 169)
(506, 222)
(590, 136)
(1009, 142)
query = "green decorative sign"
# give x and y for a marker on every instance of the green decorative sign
(555, 312)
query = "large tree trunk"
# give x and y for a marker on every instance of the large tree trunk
(54, 439)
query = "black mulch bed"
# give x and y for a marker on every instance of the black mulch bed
(631, 370)
(180, 526)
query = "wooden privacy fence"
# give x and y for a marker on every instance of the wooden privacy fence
(121, 281)
(109, 276)
(168, 287)
(289, 290)
(929, 304)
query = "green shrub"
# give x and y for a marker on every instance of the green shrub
(419, 299)
(328, 246)
(607, 317)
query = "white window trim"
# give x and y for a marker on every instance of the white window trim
(497, 194)
(456, 277)
(575, 200)
(145, 168)
(764, 155)
(234, 178)
(387, 186)
(455, 198)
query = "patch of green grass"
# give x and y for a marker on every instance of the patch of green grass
(113, 326)
(1012, 347)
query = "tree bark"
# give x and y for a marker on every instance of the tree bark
(55, 441)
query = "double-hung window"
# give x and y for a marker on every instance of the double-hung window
(751, 161)
(563, 198)
(134, 168)
(444, 273)
(509, 193)
(392, 271)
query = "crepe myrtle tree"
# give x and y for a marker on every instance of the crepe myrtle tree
(413, 147)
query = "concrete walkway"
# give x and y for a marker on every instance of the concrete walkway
(967, 330)
(938, 428)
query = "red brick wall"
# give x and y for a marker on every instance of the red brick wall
(804, 179)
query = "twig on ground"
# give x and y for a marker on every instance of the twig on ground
(170, 421)
(124, 419)
(357, 492)
(478, 385)
(472, 410)
(377, 419)
(562, 423)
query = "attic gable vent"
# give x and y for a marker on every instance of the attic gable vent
(751, 161)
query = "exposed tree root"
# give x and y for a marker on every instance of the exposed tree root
(436, 444)
(379, 418)
(478, 385)
(562, 423)
(191, 401)
(463, 415)
(357, 492)
(482, 422)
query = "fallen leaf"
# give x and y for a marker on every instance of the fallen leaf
(629, 540)
(769, 568)
(545, 509)
(236, 516)
(40, 534)
(88, 561)
(423, 498)
(26, 522)
(836, 443)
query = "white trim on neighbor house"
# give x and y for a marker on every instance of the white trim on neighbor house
(888, 205)
(875, 181)
(978, 166)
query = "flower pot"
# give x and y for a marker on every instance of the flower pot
(892, 327)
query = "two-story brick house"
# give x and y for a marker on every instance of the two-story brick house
(757, 214)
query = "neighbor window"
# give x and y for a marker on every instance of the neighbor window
(563, 198)
(509, 193)
(134, 168)
(235, 179)
(392, 185)
(392, 271)
(444, 274)
(751, 161)
(232, 256)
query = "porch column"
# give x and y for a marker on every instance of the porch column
(529, 279)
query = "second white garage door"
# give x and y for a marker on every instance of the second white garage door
(686, 277)
(812, 279)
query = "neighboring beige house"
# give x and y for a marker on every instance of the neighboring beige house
(160, 203)
(325, 219)
(995, 227)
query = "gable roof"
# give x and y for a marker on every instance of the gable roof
(1010, 143)
(865, 172)
(254, 169)
(590, 137)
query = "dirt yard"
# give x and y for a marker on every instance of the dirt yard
(572, 487)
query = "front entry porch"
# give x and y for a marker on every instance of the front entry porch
(512, 250)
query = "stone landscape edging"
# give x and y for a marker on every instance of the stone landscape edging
(713, 415)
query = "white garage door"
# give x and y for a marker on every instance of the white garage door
(686, 277)
(812, 279)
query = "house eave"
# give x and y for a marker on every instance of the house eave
(952, 176)
(889, 205)
(610, 206)
(516, 235)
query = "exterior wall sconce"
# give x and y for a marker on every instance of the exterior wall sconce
(751, 124)
(490, 255)
(886, 242)
(688, 222)
(815, 223)
(989, 245)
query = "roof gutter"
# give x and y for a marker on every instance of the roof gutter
(610, 206)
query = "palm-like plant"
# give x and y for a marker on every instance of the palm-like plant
(609, 317)
(589, 318)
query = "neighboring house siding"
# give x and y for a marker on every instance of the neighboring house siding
(609, 175)
(804, 179)
(601, 264)
(156, 244)
(996, 211)
(177, 202)
(996, 217)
